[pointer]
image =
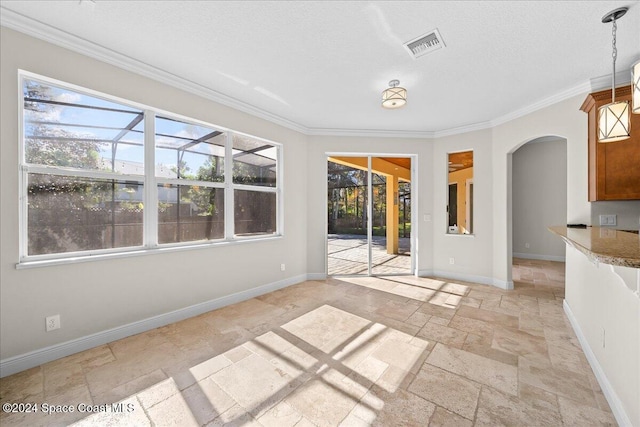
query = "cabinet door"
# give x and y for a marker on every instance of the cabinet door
(614, 167)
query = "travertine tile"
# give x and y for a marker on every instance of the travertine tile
(402, 408)
(570, 360)
(443, 334)
(108, 377)
(394, 378)
(477, 368)
(172, 411)
(209, 367)
(207, 400)
(538, 398)
(398, 310)
(532, 324)
(134, 345)
(157, 393)
(281, 415)
(400, 354)
(236, 416)
(418, 319)
(577, 414)
(518, 305)
(133, 415)
(443, 418)
(326, 328)
(353, 351)
(236, 354)
(323, 402)
(253, 382)
(23, 386)
(488, 316)
(437, 310)
(496, 408)
(556, 380)
(519, 343)
(366, 410)
(130, 388)
(481, 345)
(448, 390)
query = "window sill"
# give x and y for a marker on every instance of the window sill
(140, 252)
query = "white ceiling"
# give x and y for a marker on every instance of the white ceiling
(321, 66)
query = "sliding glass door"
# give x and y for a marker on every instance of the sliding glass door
(368, 215)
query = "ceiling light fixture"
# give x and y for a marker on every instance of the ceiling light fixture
(614, 123)
(635, 82)
(395, 96)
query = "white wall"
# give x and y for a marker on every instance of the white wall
(539, 200)
(95, 296)
(471, 253)
(601, 303)
(563, 119)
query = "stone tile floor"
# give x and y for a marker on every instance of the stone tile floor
(388, 351)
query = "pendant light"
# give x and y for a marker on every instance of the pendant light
(635, 87)
(395, 96)
(614, 123)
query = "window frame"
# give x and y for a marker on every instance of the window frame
(148, 180)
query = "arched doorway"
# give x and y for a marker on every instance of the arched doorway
(538, 199)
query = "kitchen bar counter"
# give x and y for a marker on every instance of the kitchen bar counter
(605, 245)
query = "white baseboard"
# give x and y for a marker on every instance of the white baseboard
(34, 358)
(502, 284)
(614, 401)
(540, 257)
(316, 276)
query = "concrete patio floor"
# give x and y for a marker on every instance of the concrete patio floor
(348, 254)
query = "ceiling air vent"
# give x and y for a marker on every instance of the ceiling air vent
(424, 44)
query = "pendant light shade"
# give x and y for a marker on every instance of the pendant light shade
(614, 121)
(395, 96)
(635, 87)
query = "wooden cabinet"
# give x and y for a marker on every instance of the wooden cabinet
(614, 167)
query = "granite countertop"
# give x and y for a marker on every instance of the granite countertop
(615, 247)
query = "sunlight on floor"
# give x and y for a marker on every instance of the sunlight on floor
(437, 292)
(318, 368)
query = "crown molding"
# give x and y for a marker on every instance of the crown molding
(463, 129)
(604, 82)
(42, 31)
(371, 133)
(579, 89)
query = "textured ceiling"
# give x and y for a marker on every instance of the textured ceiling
(323, 65)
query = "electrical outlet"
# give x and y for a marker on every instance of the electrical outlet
(282, 267)
(527, 245)
(608, 219)
(452, 261)
(427, 217)
(52, 323)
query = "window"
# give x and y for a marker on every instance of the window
(100, 175)
(190, 174)
(254, 182)
(460, 200)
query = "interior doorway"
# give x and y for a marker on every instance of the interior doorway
(369, 215)
(538, 182)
